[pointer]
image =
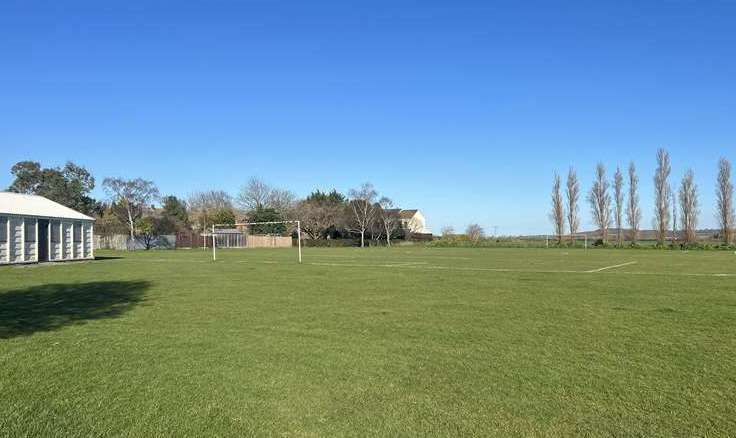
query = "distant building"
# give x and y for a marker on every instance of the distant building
(413, 221)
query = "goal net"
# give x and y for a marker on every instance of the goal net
(274, 234)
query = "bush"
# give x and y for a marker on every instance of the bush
(598, 243)
(706, 246)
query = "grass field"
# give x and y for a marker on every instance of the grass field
(375, 342)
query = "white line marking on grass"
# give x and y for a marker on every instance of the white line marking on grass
(611, 267)
(173, 261)
(371, 257)
(522, 271)
(673, 274)
(446, 268)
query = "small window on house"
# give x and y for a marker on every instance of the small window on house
(55, 232)
(3, 229)
(77, 232)
(30, 231)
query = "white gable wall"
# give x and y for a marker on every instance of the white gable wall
(416, 224)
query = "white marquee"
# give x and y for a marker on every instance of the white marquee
(35, 229)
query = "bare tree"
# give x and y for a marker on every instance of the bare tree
(283, 201)
(662, 195)
(376, 229)
(362, 205)
(618, 196)
(557, 213)
(313, 220)
(448, 231)
(573, 195)
(600, 201)
(633, 212)
(255, 195)
(474, 232)
(321, 213)
(210, 199)
(130, 198)
(673, 204)
(724, 201)
(258, 195)
(204, 206)
(389, 217)
(689, 206)
(318, 217)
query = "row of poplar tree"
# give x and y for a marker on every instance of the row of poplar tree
(621, 207)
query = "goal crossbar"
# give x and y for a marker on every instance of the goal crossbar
(298, 233)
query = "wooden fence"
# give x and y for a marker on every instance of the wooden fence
(257, 241)
(192, 239)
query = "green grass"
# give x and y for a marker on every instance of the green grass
(381, 342)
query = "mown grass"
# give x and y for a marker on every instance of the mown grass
(404, 341)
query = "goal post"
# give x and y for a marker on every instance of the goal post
(575, 237)
(234, 236)
(572, 238)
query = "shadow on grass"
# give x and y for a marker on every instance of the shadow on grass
(108, 258)
(52, 306)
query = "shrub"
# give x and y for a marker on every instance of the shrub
(330, 243)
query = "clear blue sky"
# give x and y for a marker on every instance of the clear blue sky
(462, 109)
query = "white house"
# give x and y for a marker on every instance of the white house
(413, 220)
(35, 229)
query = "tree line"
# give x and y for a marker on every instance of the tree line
(136, 207)
(616, 203)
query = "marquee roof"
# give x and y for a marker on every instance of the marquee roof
(31, 205)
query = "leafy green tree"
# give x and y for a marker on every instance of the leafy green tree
(167, 224)
(150, 229)
(108, 223)
(28, 177)
(69, 185)
(176, 211)
(266, 215)
(333, 197)
(147, 231)
(223, 216)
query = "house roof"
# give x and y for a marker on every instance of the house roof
(32, 205)
(408, 214)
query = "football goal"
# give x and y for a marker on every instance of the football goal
(572, 240)
(273, 234)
